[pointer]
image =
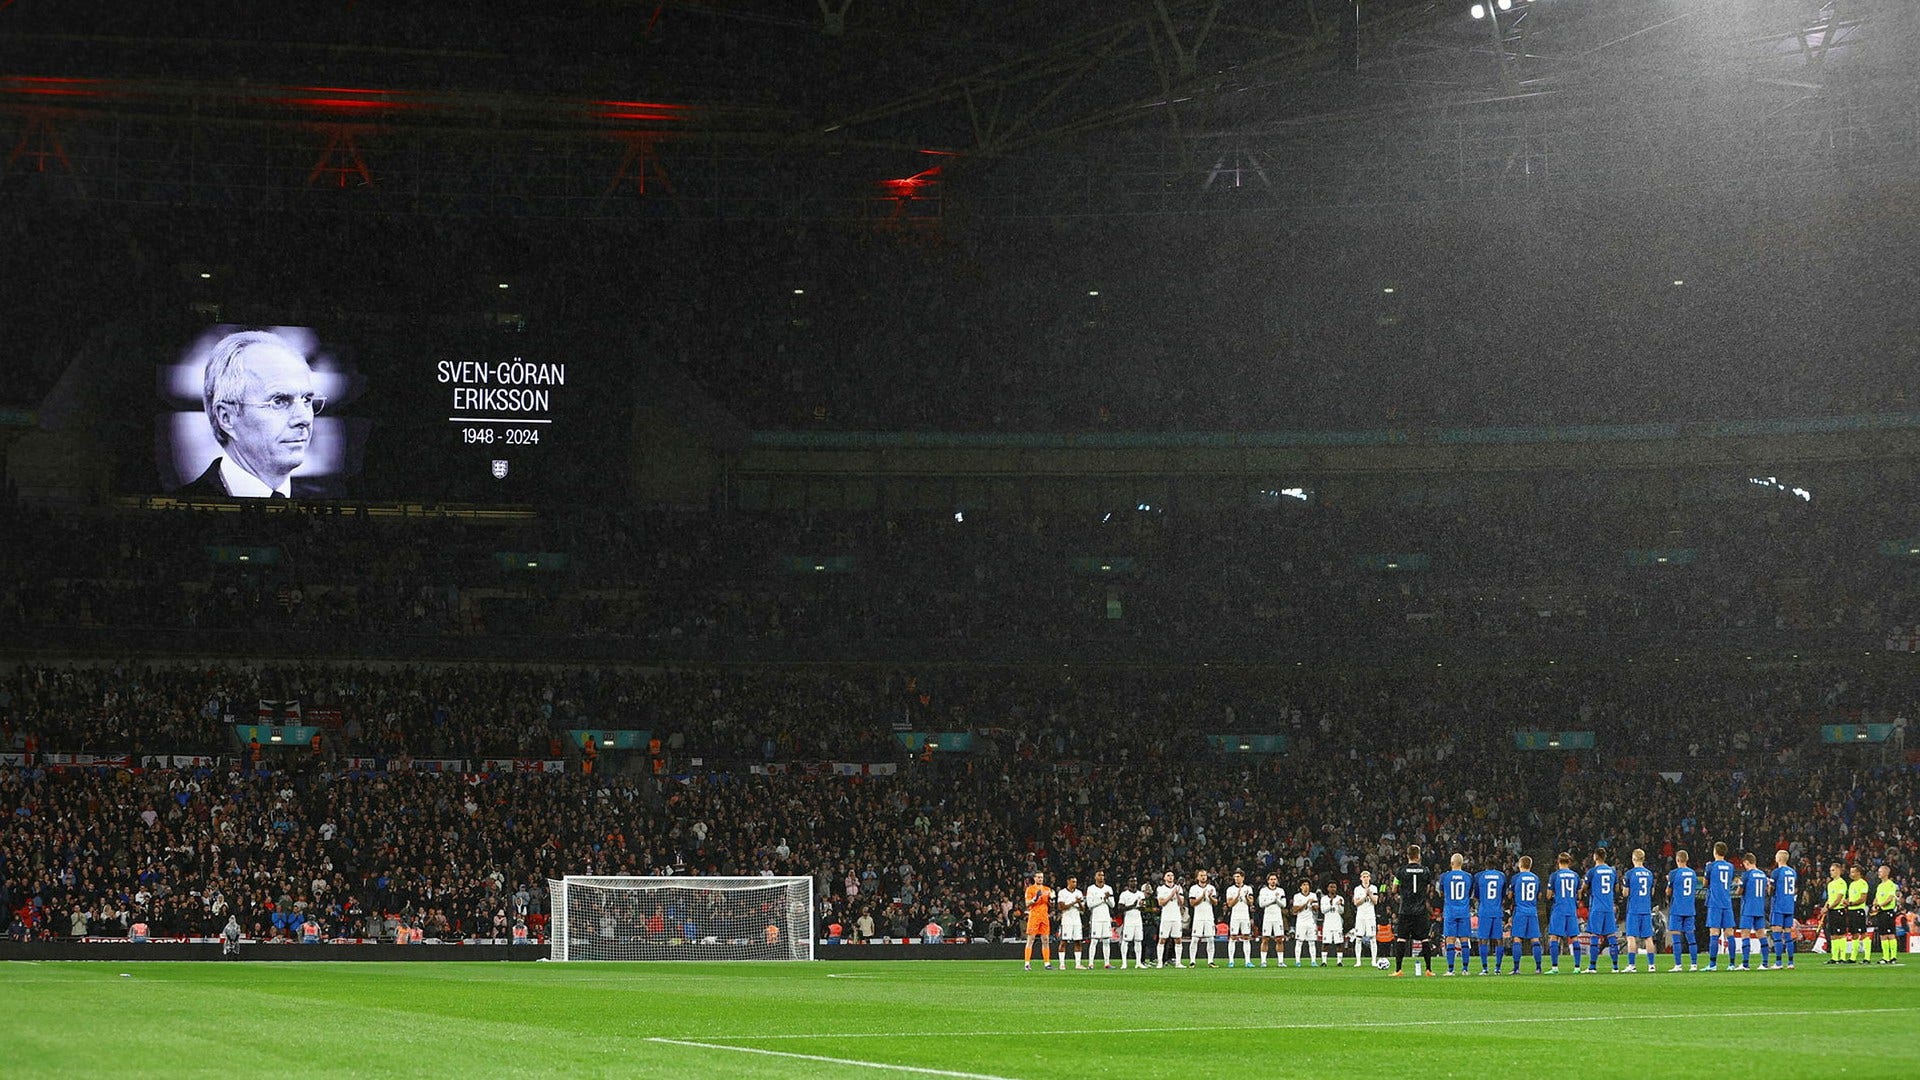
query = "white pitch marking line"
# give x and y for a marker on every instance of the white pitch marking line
(834, 976)
(833, 1060)
(1315, 1026)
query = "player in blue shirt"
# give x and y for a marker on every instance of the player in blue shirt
(1456, 911)
(1564, 918)
(1719, 874)
(1683, 894)
(1753, 912)
(1603, 883)
(1638, 882)
(1786, 890)
(1524, 887)
(1490, 929)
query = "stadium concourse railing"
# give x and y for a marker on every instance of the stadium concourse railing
(1383, 648)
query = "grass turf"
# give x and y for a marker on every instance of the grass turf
(940, 1018)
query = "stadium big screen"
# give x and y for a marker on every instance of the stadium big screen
(380, 411)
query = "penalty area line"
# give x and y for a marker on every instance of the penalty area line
(1316, 1026)
(856, 1062)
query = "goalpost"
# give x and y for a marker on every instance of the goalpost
(681, 918)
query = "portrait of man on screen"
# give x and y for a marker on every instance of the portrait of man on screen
(258, 394)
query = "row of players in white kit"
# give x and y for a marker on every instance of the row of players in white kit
(1318, 918)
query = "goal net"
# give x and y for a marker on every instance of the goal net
(681, 918)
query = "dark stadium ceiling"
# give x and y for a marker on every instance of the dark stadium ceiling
(1198, 86)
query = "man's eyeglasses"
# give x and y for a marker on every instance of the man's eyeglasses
(283, 402)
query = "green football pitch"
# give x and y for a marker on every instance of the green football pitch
(941, 1018)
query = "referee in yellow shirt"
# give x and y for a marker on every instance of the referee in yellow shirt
(1839, 938)
(1886, 903)
(1857, 913)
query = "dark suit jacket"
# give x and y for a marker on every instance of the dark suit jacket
(209, 483)
(212, 484)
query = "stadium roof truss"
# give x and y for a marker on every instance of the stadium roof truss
(891, 110)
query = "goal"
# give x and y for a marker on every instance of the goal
(681, 918)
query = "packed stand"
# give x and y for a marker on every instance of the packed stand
(1139, 581)
(1071, 770)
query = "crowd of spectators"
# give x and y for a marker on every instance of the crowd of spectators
(1069, 771)
(1248, 583)
(1673, 714)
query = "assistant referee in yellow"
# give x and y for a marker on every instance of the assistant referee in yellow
(1839, 933)
(1857, 914)
(1886, 905)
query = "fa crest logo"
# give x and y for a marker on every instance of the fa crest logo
(499, 469)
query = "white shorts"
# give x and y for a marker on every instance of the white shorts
(1070, 928)
(1240, 924)
(1306, 929)
(1333, 932)
(1130, 928)
(1170, 923)
(1203, 921)
(1100, 924)
(1364, 928)
(1274, 923)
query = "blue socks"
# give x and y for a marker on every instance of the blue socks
(1613, 952)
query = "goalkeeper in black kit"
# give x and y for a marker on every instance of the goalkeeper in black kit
(1415, 925)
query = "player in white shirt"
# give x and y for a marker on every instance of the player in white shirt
(1306, 931)
(1132, 931)
(1366, 927)
(1100, 917)
(1239, 918)
(1273, 921)
(1202, 894)
(1333, 924)
(1073, 934)
(1171, 898)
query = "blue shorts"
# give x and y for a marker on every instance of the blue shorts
(1782, 919)
(1489, 930)
(1526, 925)
(1565, 922)
(1600, 923)
(1719, 918)
(1457, 926)
(1753, 922)
(1680, 925)
(1640, 926)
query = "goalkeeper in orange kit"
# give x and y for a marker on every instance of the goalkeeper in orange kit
(1039, 919)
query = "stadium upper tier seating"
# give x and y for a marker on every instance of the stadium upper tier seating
(1295, 581)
